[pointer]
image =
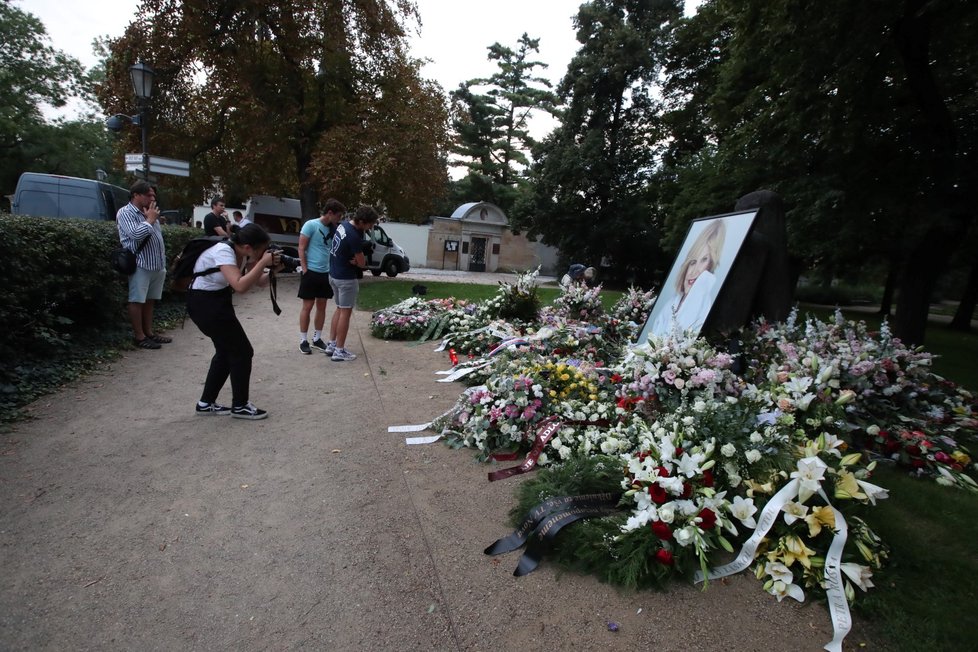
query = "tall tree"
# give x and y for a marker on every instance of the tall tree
(32, 74)
(591, 194)
(250, 91)
(491, 121)
(861, 115)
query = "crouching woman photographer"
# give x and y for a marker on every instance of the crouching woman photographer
(238, 265)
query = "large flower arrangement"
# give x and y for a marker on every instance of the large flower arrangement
(703, 456)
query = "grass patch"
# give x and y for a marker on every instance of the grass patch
(379, 293)
(925, 597)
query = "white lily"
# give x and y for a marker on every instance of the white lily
(873, 492)
(782, 590)
(743, 510)
(793, 511)
(810, 472)
(859, 574)
(779, 572)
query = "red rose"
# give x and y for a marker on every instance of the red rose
(679, 451)
(913, 450)
(661, 530)
(708, 478)
(942, 457)
(663, 472)
(918, 463)
(657, 493)
(891, 447)
(708, 520)
(616, 378)
(687, 490)
(664, 557)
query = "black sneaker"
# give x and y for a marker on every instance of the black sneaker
(248, 411)
(321, 345)
(212, 409)
(304, 347)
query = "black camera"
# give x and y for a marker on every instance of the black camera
(289, 263)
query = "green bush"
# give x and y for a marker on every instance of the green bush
(62, 307)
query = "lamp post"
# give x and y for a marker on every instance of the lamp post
(142, 85)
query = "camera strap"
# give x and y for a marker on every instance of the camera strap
(273, 292)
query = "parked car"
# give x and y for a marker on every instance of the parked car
(54, 195)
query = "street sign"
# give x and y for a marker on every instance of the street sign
(158, 165)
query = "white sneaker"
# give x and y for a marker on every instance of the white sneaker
(342, 355)
(330, 347)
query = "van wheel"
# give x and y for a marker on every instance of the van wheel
(391, 267)
(375, 272)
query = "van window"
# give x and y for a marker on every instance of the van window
(42, 204)
(379, 236)
(80, 201)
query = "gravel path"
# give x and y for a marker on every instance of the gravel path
(129, 523)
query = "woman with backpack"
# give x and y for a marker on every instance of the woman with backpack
(239, 265)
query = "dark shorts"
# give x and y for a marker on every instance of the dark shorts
(315, 285)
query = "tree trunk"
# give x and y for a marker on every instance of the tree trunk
(886, 303)
(962, 317)
(951, 212)
(308, 194)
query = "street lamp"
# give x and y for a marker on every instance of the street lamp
(142, 85)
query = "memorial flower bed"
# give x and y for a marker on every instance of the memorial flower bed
(767, 456)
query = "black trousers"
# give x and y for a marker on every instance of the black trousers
(214, 315)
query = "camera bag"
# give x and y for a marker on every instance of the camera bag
(124, 261)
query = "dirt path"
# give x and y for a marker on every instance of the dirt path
(129, 523)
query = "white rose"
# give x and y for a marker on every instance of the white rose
(667, 513)
(728, 450)
(753, 456)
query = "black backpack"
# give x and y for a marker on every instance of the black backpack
(182, 268)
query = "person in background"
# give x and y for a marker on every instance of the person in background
(139, 229)
(209, 306)
(216, 222)
(590, 277)
(315, 240)
(575, 274)
(346, 263)
(239, 220)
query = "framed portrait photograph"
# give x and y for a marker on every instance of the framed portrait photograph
(709, 251)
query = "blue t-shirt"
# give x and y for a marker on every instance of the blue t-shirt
(320, 239)
(347, 243)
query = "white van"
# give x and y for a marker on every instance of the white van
(387, 256)
(54, 195)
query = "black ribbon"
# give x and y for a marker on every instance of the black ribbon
(518, 537)
(543, 535)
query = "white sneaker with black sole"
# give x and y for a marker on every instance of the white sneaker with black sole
(342, 355)
(248, 411)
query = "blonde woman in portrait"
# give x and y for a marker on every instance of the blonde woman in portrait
(694, 283)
